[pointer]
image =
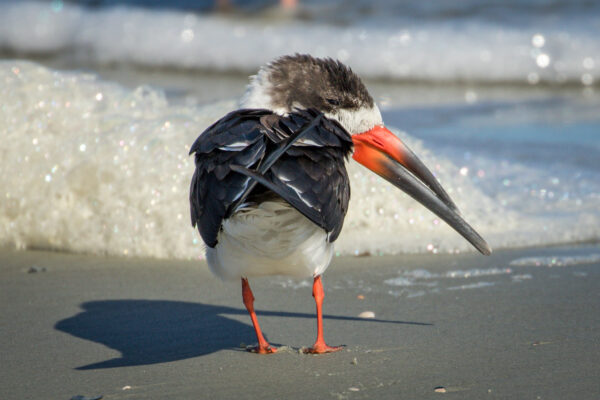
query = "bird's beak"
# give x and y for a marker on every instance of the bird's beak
(383, 153)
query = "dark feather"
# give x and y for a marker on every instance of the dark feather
(259, 154)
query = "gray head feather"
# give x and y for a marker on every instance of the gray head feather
(322, 83)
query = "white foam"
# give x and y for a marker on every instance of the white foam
(477, 285)
(521, 277)
(471, 50)
(421, 276)
(477, 272)
(555, 261)
(399, 281)
(90, 166)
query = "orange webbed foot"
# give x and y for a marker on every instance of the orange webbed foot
(322, 348)
(268, 349)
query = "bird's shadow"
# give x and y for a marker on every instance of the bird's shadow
(157, 331)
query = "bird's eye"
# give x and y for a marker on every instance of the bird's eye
(333, 102)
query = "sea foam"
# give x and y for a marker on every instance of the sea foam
(91, 166)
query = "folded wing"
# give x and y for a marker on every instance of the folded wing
(299, 157)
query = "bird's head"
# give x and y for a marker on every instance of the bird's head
(302, 81)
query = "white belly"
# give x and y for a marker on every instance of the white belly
(271, 239)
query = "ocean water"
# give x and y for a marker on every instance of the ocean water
(500, 103)
(525, 41)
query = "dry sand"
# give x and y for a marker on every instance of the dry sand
(150, 329)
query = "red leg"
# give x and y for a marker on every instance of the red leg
(320, 347)
(263, 347)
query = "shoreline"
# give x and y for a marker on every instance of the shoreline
(572, 246)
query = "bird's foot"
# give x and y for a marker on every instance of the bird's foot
(262, 349)
(321, 348)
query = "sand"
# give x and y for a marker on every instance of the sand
(151, 329)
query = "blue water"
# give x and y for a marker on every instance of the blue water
(554, 121)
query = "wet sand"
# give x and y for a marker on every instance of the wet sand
(154, 329)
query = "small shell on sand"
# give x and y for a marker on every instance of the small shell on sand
(366, 314)
(440, 389)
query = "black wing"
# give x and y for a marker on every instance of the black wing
(305, 168)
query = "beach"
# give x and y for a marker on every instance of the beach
(104, 286)
(456, 326)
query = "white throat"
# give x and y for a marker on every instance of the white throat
(357, 121)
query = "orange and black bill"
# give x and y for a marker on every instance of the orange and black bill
(383, 153)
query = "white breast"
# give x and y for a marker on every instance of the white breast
(270, 239)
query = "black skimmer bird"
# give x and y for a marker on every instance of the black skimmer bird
(270, 190)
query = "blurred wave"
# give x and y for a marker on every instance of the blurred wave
(517, 41)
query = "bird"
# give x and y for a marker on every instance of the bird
(270, 189)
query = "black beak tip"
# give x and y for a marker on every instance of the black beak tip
(485, 249)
